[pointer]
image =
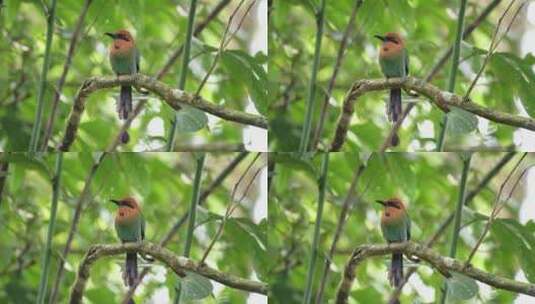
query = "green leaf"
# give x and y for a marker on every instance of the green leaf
(461, 122)
(195, 287)
(294, 161)
(190, 119)
(522, 242)
(516, 74)
(100, 295)
(248, 71)
(461, 287)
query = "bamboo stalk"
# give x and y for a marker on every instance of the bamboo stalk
(453, 71)
(36, 130)
(458, 215)
(305, 135)
(45, 259)
(322, 185)
(195, 195)
(183, 70)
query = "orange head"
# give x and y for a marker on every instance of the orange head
(122, 39)
(128, 208)
(393, 206)
(392, 44)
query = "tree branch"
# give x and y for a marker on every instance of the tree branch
(173, 97)
(178, 264)
(443, 264)
(440, 98)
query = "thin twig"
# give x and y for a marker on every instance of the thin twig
(82, 199)
(232, 206)
(496, 208)
(494, 44)
(339, 228)
(224, 41)
(63, 77)
(339, 58)
(198, 30)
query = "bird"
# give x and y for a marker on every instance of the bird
(394, 62)
(396, 227)
(130, 227)
(124, 59)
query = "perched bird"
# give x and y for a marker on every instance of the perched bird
(396, 227)
(124, 59)
(394, 61)
(130, 227)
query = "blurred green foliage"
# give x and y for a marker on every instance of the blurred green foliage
(429, 184)
(429, 30)
(162, 183)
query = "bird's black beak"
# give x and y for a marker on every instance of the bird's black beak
(381, 202)
(112, 35)
(116, 202)
(382, 38)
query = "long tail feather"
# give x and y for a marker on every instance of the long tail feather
(395, 104)
(131, 269)
(395, 276)
(125, 102)
(124, 108)
(394, 111)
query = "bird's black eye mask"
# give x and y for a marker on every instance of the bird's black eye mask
(393, 205)
(123, 37)
(391, 40)
(122, 203)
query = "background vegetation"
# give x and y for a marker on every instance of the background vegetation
(162, 182)
(429, 184)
